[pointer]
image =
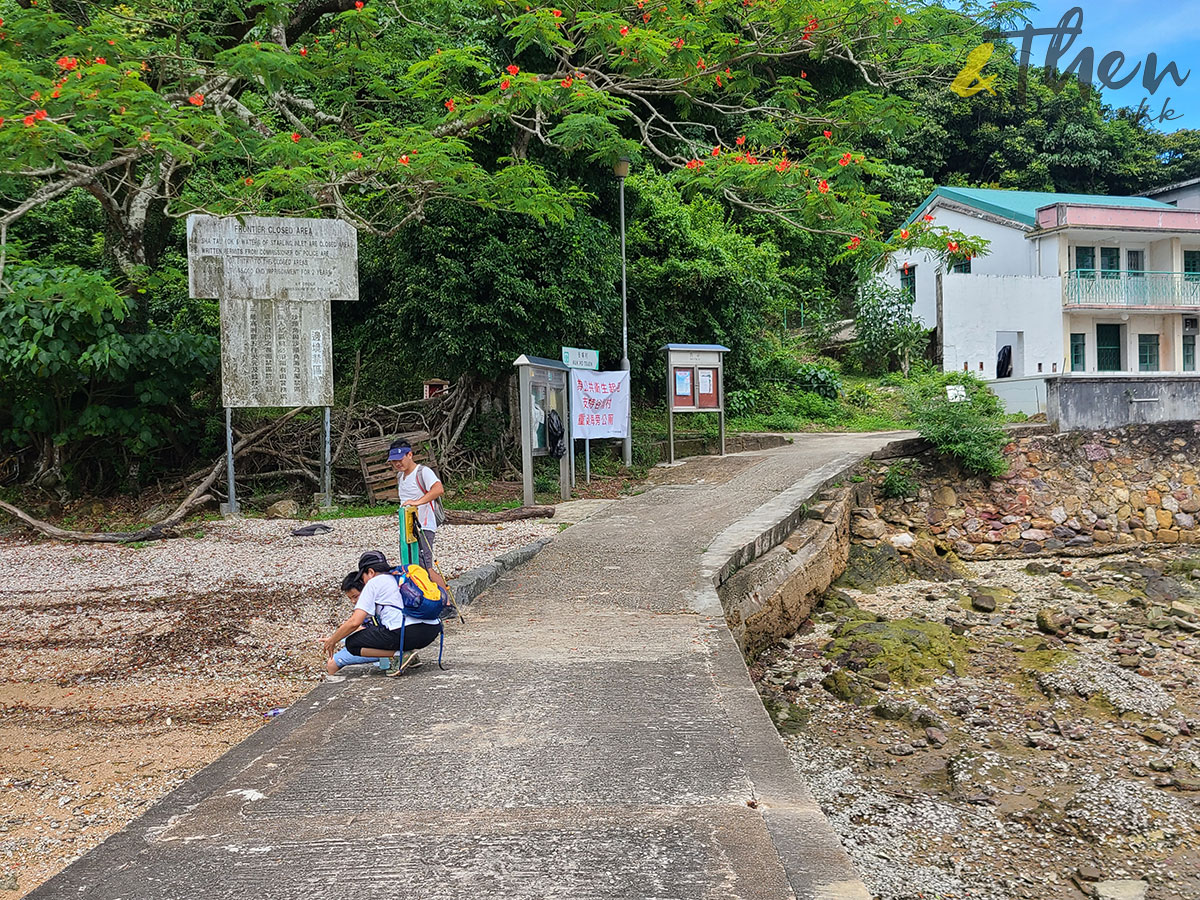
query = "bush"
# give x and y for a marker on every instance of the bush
(970, 431)
(741, 403)
(898, 482)
(820, 380)
(860, 396)
(818, 408)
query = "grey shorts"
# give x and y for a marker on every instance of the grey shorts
(425, 549)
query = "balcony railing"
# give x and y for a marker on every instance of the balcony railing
(1091, 287)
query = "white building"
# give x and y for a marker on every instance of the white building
(1071, 283)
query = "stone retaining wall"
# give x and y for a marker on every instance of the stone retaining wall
(772, 596)
(1123, 486)
(734, 443)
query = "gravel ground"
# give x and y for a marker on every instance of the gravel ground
(1054, 758)
(127, 669)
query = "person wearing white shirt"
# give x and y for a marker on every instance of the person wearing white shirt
(379, 600)
(418, 485)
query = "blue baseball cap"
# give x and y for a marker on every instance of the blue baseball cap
(398, 452)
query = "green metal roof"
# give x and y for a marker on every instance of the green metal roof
(1022, 206)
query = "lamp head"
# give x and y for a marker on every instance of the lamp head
(621, 167)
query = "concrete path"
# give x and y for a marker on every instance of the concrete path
(595, 736)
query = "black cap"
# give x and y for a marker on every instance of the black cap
(373, 559)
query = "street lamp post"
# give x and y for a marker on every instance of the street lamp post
(621, 170)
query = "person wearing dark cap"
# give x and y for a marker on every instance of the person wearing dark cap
(379, 600)
(419, 486)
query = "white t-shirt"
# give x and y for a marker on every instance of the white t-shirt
(409, 487)
(383, 594)
(380, 597)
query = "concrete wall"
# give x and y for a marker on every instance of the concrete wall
(1009, 254)
(1087, 403)
(975, 308)
(1184, 197)
(1021, 395)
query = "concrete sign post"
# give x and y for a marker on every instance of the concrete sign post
(274, 279)
(542, 388)
(695, 383)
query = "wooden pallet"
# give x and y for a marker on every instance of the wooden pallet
(378, 473)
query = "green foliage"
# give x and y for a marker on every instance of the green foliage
(898, 482)
(970, 432)
(885, 330)
(859, 396)
(819, 380)
(78, 370)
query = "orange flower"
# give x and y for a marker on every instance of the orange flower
(566, 82)
(845, 160)
(403, 160)
(741, 140)
(449, 104)
(557, 13)
(624, 30)
(40, 114)
(505, 84)
(854, 242)
(295, 137)
(249, 181)
(904, 234)
(196, 99)
(828, 135)
(716, 151)
(823, 186)
(513, 70)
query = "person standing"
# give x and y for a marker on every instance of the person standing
(418, 485)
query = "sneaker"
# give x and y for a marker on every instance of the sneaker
(410, 661)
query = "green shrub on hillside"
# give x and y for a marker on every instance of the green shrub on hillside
(969, 431)
(820, 380)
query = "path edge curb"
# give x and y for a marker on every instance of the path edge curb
(811, 852)
(470, 584)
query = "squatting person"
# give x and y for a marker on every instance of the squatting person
(379, 600)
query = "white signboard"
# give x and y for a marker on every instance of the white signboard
(275, 353)
(272, 258)
(575, 358)
(599, 404)
(956, 393)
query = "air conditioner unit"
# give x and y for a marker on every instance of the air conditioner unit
(1191, 324)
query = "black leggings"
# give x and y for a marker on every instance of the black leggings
(416, 636)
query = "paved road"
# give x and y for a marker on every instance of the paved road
(596, 736)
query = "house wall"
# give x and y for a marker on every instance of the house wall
(975, 308)
(1009, 254)
(1184, 198)
(1168, 326)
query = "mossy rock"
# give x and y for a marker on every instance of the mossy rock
(910, 651)
(872, 567)
(845, 687)
(930, 563)
(1182, 566)
(988, 598)
(1113, 594)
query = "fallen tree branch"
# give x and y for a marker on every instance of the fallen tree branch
(165, 528)
(468, 517)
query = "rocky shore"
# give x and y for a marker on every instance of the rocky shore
(1003, 729)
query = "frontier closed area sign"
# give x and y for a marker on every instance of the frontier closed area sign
(276, 353)
(275, 278)
(256, 258)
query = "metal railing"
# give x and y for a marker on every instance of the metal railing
(1092, 287)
